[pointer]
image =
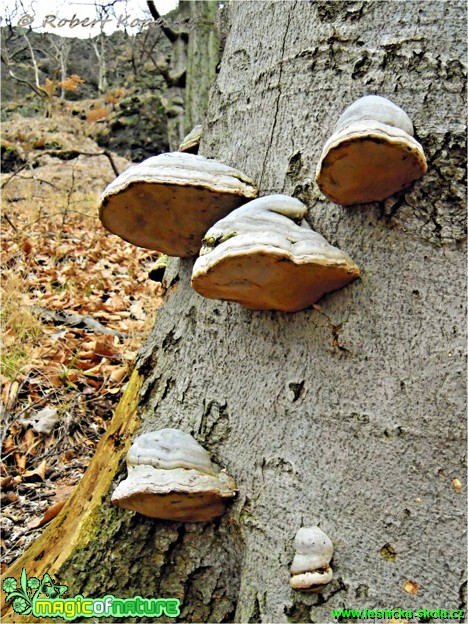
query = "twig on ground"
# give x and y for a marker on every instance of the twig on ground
(8, 220)
(42, 181)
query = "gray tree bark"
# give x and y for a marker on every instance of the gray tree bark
(352, 415)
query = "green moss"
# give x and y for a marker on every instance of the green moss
(388, 553)
(226, 237)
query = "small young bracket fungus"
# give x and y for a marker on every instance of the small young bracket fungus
(265, 256)
(310, 569)
(371, 154)
(168, 202)
(156, 272)
(170, 476)
(191, 142)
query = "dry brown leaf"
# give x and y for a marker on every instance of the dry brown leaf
(49, 515)
(27, 247)
(10, 394)
(10, 497)
(106, 316)
(95, 370)
(137, 310)
(20, 461)
(86, 355)
(6, 482)
(87, 365)
(72, 376)
(55, 380)
(9, 339)
(105, 346)
(60, 357)
(411, 587)
(9, 445)
(68, 455)
(36, 474)
(118, 375)
(94, 382)
(29, 440)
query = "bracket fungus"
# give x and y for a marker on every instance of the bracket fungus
(191, 142)
(157, 271)
(170, 476)
(371, 154)
(168, 202)
(265, 256)
(310, 569)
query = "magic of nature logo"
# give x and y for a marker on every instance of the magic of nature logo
(27, 592)
(43, 598)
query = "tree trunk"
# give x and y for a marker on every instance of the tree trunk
(202, 60)
(351, 415)
(191, 71)
(99, 48)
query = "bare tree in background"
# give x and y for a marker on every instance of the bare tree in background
(19, 40)
(99, 45)
(190, 69)
(62, 47)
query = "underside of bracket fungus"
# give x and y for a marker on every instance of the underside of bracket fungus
(265, 256)
(371, 155)
(310, 569)
(168, 202)
(171, 477)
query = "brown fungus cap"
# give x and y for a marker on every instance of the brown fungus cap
(170, 476)
(168, 202)
(371, 155)
(265, 256)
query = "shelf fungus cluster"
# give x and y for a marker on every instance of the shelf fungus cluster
(310, 569)
(168, 202)
(265, 256)
(371, 155)
(171, 477)
(262, 253)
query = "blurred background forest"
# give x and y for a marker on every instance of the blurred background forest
(76, 300)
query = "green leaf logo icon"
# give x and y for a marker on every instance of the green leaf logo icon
(33, 583)
(9, 584)
(20, 605)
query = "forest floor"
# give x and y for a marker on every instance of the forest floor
(76, 305)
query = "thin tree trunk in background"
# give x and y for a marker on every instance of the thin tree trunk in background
(202, 60)
(175, 75)
(352, 415)
(99, 48)
(191, 70)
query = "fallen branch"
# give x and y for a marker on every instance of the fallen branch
(74, 153)
(59, 317)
